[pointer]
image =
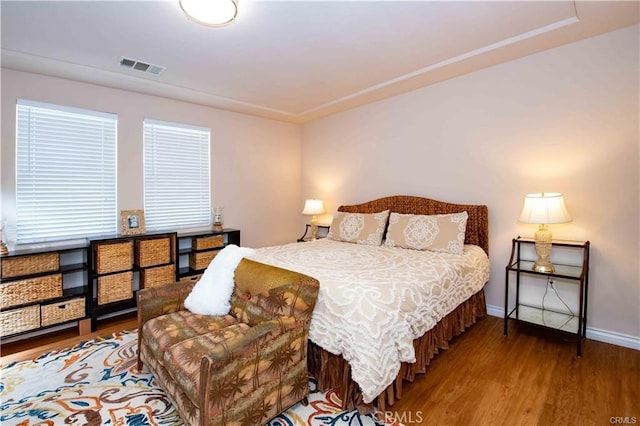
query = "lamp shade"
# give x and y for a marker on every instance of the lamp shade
(544, 208)
(313, 207)
(214, 13)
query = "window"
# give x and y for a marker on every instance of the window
(176, 175)
(65, 172)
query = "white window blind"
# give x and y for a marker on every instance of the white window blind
(176, 175)
(65, 172)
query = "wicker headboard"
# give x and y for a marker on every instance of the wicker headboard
(477, 224)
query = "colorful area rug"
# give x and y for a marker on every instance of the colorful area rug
(97, 383)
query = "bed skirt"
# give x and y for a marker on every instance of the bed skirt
(332, 371)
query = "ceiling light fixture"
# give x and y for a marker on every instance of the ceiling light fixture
(213, 13)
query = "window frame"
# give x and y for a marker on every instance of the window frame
(175, 177)
(64, 156)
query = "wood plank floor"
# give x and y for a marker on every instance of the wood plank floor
(485, 378)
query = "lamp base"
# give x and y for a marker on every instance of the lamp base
(542, 265)
(217, 227)
(543, 246)
(4, 250)
(314, 227)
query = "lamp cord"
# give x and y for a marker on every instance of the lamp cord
(546, 290)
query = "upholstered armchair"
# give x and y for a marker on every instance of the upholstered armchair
(238, 369)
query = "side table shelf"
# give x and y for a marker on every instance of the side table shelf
(574, 323)
(323, 234)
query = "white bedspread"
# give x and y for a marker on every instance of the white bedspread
(374, 301)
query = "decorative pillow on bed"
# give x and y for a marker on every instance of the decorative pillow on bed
(361, 228)
(442, 232)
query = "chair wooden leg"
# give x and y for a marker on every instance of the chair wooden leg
(140, 363)
(204, 390)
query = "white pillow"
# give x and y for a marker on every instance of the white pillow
(211, 295)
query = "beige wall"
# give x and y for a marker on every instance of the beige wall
(564, 120)
(255, 161)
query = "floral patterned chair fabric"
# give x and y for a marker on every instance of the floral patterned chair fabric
(239, 369)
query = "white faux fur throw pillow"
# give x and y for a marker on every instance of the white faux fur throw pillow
(211, 295)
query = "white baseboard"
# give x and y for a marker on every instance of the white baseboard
(605, 336)
(614, 338)
(495, 311)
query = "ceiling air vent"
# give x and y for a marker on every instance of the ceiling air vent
(142, 66)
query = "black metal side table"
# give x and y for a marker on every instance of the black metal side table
(325, 230)
(520, 264)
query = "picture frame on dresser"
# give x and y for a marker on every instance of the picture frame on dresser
(132, 222)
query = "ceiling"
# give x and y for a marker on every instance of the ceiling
(291, 60)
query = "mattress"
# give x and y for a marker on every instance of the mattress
(375, 300)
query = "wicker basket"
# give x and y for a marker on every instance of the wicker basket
(204, 243)
(115, 287)
(200, 260)
(28, 265)
(153, 277)
(30, 290)
(113, 257)
(154, 251)
(190, 279)
(57, 313)
(19, 320)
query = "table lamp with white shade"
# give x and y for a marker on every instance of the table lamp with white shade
(313, 208)
(544, 208)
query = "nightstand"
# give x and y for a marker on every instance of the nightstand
(577, 272)
(322, 232)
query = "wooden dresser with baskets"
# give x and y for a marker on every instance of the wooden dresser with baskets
(41, 288)
(119, 266)
(197, 249)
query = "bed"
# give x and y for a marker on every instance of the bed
(384, 312)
